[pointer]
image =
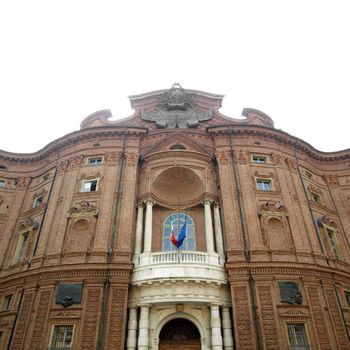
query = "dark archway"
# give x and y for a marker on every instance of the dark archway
(179, 334)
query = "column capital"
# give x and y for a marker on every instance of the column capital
(207, 201)
(139, 205)
(150, 201)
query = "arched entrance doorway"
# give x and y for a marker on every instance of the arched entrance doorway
(179, 334)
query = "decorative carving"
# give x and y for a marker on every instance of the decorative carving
(131, 158)
(116, 318)
(40, 319)
(62, 166)
(23, 182)
(69, 294)
(75, 162)
(276, 158)
(90, 321)
(243, 320)
(270, 207)
(83, 208)
(292, 164)
(289, 292)
(28, 224)
(326, 220)
(22, 322)
(314, 189)
(111, 157)
(223, 157)
(65, 314)
(268, 317)
(291, 312)
(263, 175)
(332, 180)
(242, 156)
(319, 317)
(176, 108)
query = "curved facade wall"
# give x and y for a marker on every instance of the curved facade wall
(82, 222)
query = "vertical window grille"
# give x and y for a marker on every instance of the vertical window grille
(62, 338)
(297, 336)
(178, 220)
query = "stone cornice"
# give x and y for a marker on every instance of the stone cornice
(281, 137)
(71, 139)
(121, 272)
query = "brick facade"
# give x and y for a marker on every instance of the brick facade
(296, 231)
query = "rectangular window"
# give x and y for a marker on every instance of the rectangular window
(334, 244)
(2, 183)
(90, 186)
(297, 336)
(62, 337)
(22, 242)
(95, 161)
(263, 185)
(347, 297)
(38, 201)
(6, 303)
(259, 159)
(45, 177)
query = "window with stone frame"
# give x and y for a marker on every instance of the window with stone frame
(297, 336)
(90, 185)
(62, 337)
(95, 161)
(259, 159)
(176, 221)
(264, 184)
(21, 247)
(315, 193)
(332, 237)
(6, 302)
(2, 183)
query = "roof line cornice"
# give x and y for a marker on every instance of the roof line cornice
(73, 138)
(280, 136)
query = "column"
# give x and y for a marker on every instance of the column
(218, 230)
(216, 338)
(147, 244)
(132, 328)
(208, 226)
(139, 228)
(227, 328)
(143, 340)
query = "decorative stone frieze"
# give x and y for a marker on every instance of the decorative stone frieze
(23, 182)
(292, 164)
(331, 180)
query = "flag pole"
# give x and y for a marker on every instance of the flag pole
(178, 227)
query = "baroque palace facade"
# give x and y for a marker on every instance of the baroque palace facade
(86, 260)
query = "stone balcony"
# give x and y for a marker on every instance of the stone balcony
(183, 265)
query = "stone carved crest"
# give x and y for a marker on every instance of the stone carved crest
(272, 207)
(326, 220)
(28, 224)
(176, 108)
(314, 189)
(83, 208)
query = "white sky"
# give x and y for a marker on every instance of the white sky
(63, 60)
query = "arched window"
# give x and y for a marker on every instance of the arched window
(177, 220)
